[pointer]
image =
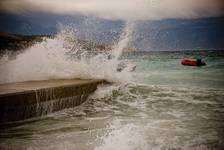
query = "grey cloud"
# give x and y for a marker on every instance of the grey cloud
(120, 9)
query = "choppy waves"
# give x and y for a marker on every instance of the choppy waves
(129, 117)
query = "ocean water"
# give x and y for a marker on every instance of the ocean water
(161, 105)
(164, 68)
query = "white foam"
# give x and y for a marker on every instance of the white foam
(51, 59)
(123, 137)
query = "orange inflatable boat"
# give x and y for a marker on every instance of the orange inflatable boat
(193, 62)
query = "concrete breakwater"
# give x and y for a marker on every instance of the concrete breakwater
(23, 100)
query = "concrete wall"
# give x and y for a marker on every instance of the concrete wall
(19, 101)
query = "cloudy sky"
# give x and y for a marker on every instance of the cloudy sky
(120, 9)
(162, 24)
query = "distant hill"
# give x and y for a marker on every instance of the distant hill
(4, 35)
(170, 34)
(14, 42)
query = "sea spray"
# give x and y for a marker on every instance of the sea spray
(56, 58)
(139, 116)
(123, 137)
(125, 39)
(151, 117)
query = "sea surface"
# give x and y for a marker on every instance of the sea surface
(164, 106)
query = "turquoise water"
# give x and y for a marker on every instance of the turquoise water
(164, 68)
(165, 106)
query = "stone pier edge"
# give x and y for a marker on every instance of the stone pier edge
(35, 103)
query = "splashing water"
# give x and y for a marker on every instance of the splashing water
(124, 40)
(150, 117)
(57, 58)
(127, 137)
(176, 108)
(156, 115)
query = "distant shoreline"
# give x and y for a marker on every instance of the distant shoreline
(15, 42)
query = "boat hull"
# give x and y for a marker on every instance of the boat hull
(187, 62)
